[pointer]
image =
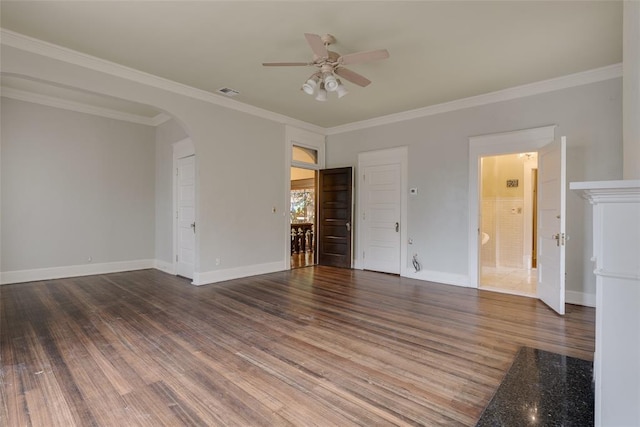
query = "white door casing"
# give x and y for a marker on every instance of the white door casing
(491, 145)
(185, 260)
(381, 218)
(552, 223)
(184, 209)
(306, 139)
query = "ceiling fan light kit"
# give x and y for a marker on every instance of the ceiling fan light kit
(322, 93)
(309, 87)
(329, 64)
(330, 82)
(342, 91)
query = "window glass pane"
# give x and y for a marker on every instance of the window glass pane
(303, 183)
(302, 206)
(305, 155)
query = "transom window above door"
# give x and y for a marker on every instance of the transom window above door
(304, 155)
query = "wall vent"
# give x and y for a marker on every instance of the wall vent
(227, 91)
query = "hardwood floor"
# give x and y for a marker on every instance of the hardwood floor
(312, 346)
(302, 259)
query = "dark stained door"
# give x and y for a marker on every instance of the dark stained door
(334, 217)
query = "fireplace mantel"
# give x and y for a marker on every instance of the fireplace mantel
(616, 257)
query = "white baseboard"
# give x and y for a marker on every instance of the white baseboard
(167, 267)
(215, 276)
(20, 276)
(438, 277)
(580, 298)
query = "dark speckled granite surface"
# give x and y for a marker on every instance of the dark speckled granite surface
(543, 389)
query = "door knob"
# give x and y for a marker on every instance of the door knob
(556, 237)
(397, 227)
(348, 225)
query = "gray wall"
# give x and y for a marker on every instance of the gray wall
(74, 186)
(591, 118)
(240, 162)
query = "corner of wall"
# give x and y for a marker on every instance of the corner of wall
(580, 298)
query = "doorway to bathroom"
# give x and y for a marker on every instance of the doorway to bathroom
(508, 222)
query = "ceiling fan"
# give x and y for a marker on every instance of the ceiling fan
(329, 64)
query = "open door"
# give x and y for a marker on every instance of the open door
(335, 188)
(552, 223)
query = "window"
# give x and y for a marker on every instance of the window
(304, 155)
(303, 208)
(303, 185)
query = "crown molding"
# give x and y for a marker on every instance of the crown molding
(50, 101)
(160, 119)
(50, 50)
(29, 44)
(544, 86)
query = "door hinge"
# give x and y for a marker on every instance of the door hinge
(176, 258)
(362, 254)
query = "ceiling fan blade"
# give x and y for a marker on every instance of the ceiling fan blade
(285, 64)
(352, 76)
(317, 45)
(372, 55)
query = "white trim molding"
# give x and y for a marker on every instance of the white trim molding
(489, 145)
(215, 276)
(21, 276)
(39, 47)
(439, 277)
(164, 266)
(395, 155)
(299, 138)
(580, 298)
(80, 107)
(181, 149)
(536, 88)
(50, 50)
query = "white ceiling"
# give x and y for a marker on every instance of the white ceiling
(439, 51)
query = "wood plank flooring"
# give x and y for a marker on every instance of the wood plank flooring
(313, 346)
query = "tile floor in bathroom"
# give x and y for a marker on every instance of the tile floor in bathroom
(515, 281)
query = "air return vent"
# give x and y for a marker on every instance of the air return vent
(227, 91)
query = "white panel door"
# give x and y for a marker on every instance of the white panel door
(186, 239)
(552, 223)
(381, 218)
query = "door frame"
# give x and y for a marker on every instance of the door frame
(319, 241)
(493, 145)
(529, 211)
(181, 149)
(398, 155)
(306, 139)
